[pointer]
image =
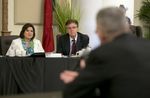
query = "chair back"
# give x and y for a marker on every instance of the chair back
(5, 42)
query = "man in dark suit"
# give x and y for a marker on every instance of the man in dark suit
(73, 41)
(120, 68)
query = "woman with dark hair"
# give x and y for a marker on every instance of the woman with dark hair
(26, 45)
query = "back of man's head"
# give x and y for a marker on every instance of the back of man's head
(111, 20)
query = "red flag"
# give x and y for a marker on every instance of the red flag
(48, 40)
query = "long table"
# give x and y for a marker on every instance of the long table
(32, 75)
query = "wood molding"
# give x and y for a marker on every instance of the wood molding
(5, 31)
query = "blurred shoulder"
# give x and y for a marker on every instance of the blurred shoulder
(107, 50)
(81, 34)
(36, 40)
(85, 36)
(64, 37)
(16, 40)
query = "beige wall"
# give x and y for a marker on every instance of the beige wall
(87, 23)
(129, 4)
(25, 12)
(89, 10)
(0, 16)
(16, 28)
(137, 5)
(137, 22)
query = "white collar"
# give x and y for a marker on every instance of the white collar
(71, 39)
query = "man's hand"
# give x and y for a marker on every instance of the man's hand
(68, 76)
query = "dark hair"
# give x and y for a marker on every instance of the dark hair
(129, 20)
(122, 6)
(72, 21)
(25, 27)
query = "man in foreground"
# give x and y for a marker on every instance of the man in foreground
(120, 68)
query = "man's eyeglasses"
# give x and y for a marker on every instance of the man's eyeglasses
(72, 27)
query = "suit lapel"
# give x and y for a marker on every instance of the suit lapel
(68, 44)
(78, 42)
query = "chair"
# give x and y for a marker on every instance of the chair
(57, 40)
(136, 30)
(139, 32)
(5, 42)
